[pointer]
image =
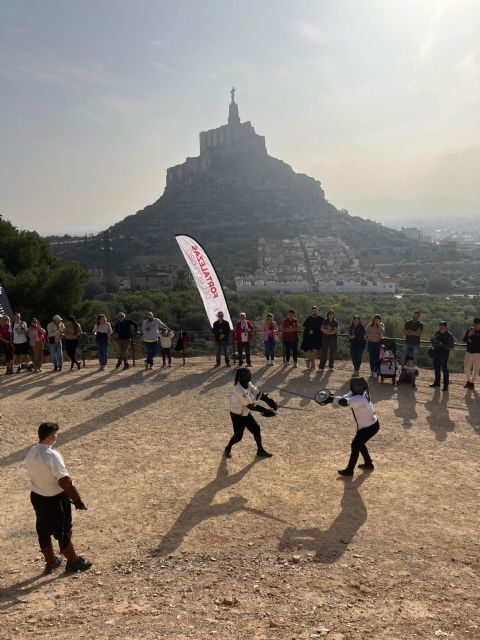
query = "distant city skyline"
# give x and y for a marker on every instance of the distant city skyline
(377, 100)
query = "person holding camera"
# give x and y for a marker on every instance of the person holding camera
(245, 398)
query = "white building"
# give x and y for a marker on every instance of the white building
(245, 284)
(349, 285)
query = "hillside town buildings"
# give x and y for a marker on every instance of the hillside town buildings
(310, 263)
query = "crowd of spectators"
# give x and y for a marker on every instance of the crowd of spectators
(24, 345)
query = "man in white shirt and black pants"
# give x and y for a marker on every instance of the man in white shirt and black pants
(52, 494)
(367, 423)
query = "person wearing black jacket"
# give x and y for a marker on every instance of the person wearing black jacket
(124, 331)
(356, 336)
(312, 337)
(221, 331)
(442, 343)
(472, 357)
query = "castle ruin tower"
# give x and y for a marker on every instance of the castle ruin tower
(233, 115)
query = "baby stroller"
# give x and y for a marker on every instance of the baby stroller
(388, 363)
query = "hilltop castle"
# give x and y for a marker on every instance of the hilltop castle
(235, 137)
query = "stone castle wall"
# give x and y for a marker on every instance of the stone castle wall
(235, 137)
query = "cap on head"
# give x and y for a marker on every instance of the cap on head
(443, 323)
(358, 386)
(57, 318)
(476, 321)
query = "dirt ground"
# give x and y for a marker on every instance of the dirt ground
(186, 544)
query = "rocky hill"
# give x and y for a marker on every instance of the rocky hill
(227, 197)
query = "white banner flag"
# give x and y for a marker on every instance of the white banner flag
(206, 279)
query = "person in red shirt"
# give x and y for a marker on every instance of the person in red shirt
(243, 338)
(6, 342)
(290, 337)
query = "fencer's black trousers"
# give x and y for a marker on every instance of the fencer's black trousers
(240, 423)
(358, 445)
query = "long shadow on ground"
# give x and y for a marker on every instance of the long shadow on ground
(200, 507)
(105, 419)
(330, 544)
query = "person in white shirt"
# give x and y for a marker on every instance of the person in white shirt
(166, 337)
(102, 331)
(20, 341)
(245, 397)
(52, 492)
(55, 333)
(151, 327)
(367, 423)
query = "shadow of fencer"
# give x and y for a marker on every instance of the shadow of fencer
(407, 407)
(472, 401)
(438, 417)
(201, 507)
(330, 544)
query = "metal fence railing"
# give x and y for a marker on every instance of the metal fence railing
(200, 343)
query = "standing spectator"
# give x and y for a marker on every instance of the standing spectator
(20, 341)
(166, 337)
(312, 337)
(472, 357)
(413, 330)
(124, 331)
(290, 337)
(55, 331)
(151, 327)
(270, 335)
(374, 332)
(356, 336)
(36, 336)
(442, 343)
(73, 331)
(329, 340)
(243, 338)
(102, 331)
(52, 494)
(221, 331)
(6, 343)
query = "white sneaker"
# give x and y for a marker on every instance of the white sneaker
(271, 363)
(295, 365)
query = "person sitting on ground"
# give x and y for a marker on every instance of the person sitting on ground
(409, 373)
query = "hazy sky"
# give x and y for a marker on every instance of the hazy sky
(378, 99)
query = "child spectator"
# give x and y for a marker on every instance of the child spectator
(409, 372)
(166, 337)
